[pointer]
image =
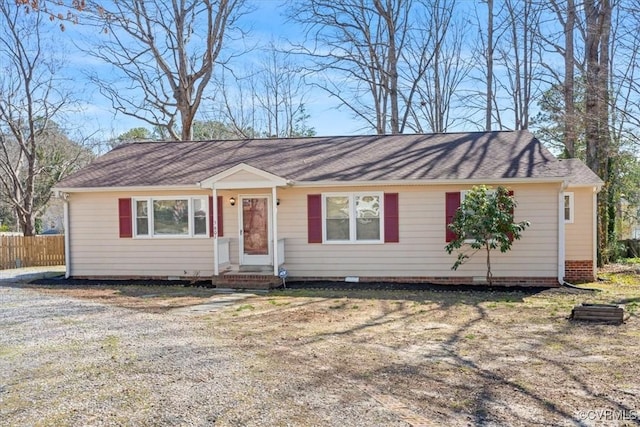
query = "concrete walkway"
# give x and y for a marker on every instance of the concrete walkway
(217, 302)
(27, 274)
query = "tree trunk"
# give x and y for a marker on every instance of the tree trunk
(489, 273)
(598, 28)
(489, 55)
(386, 13)
(570, 137)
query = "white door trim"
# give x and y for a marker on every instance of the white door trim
(255, 259)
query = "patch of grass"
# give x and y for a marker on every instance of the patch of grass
(470, 337)
(9, 351)
(244, 307)
(278, 303)
(111, 344)
(339, 304)
(555, 345)
(625, 279)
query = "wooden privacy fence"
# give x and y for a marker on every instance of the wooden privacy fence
(31, 251)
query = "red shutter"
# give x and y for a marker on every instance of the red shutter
(124, 215)
(210, 216)
(391, 218)
(220, 223)
(452, 205)
(511, 234)
(314, 218)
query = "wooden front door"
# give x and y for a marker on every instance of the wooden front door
(255, 234)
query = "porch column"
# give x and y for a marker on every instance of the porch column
(274, 210)
(216, 255)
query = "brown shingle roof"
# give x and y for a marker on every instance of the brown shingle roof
(452, 156)
(577, 172)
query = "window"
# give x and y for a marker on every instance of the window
(142, 217)
(568, 207)
(171, 217)
(352, 217)
(453, 201)
(199, 217)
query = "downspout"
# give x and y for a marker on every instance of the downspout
(561, 234)
(594, 243)
(67, 235)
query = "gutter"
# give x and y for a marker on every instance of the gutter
(58, 190)
(319, 183)
(431, 182)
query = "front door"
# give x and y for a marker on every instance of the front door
(255, 233)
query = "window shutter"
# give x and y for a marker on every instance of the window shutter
(452, 205)
(124, 218)
(220, 224)
(511, 234)
(314, 218)
(391, 218)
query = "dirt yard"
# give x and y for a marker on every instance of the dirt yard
(134, 356)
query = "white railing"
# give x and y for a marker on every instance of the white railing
(223, 252)
(280, 252)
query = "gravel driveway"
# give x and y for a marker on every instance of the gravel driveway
(65, 361)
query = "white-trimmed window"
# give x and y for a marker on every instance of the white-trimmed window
(352, 217)
(171, 217)
(568, 208)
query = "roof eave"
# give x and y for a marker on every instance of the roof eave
(333, 183)
(125, 188)
(330, 183)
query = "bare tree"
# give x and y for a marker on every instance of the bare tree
(439, 85)
(280, 93)
(358, 51)
(519, 56)
(484, 99)
(625, 75)
(489, 64)
(564, 14)
(33, 154)
(163, 55)
(268, 100)
(598, 140)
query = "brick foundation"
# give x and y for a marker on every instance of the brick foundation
(579, 271)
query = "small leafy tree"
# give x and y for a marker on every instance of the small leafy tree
(484, 221)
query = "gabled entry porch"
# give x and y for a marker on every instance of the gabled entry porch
(247, 249)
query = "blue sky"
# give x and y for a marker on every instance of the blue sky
(267, 22)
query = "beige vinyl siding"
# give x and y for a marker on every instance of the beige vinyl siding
(422, 238)
(98, 250)
(242, 176)
(579, 234)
